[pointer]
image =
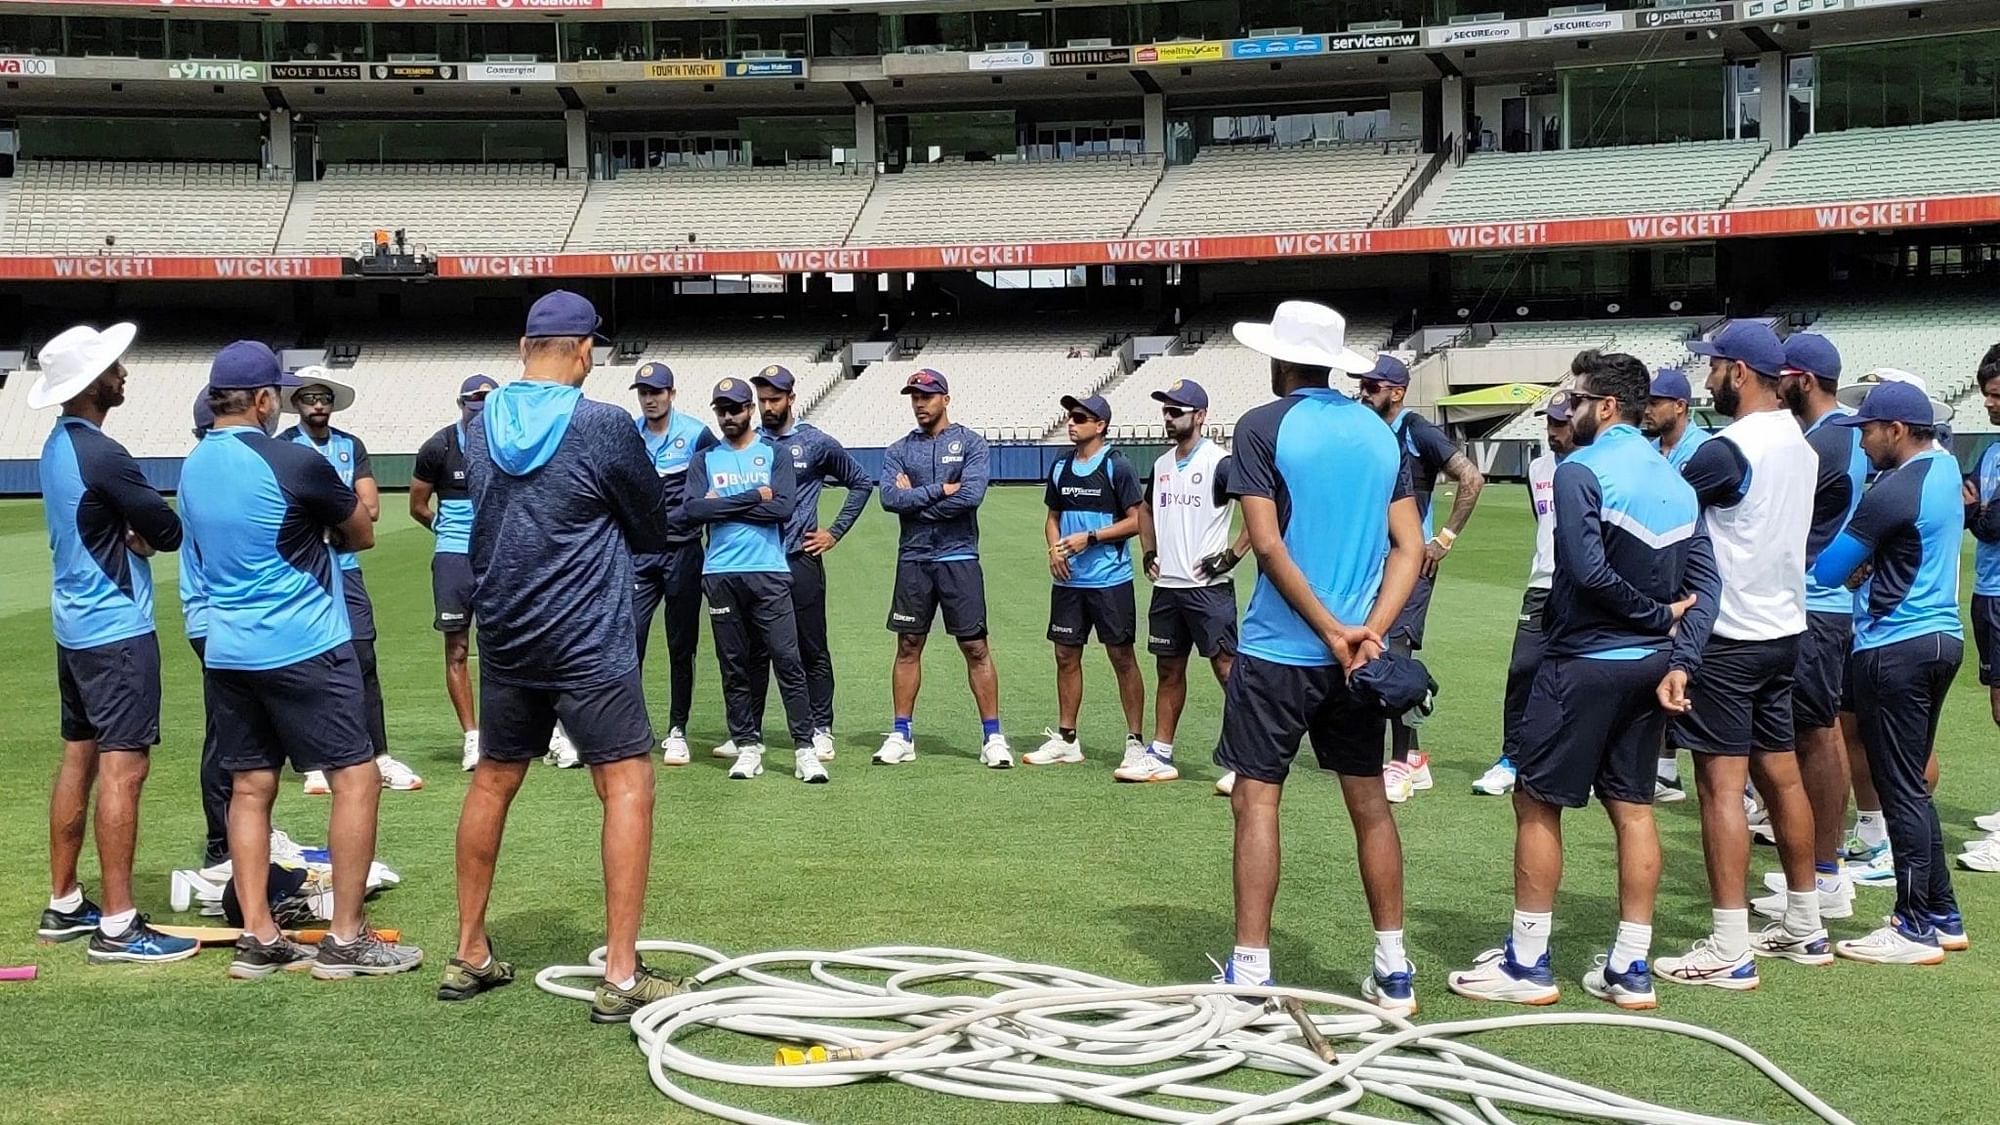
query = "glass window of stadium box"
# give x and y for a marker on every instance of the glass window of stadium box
(1099, 26)
(848, 35)
(951, 31)
(1912, 82)
(1648, 104)
(30, 35)
(1069, 140)
(790, 140)
(136, 138)
(690, 39)
(315, 41)
(1007, 30)
(686, 149)
(1363, 119)
(215, 39)
(418, 42)
(1189, 19)
(443, 142)
(767, 38)
(116, 37)
(511, 42)
(926, 138)
(592, 40)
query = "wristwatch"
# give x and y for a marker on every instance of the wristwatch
(1091, 539)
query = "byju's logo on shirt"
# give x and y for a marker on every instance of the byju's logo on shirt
(747, 480)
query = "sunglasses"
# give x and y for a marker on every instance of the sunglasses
(1174, 412)
(1586, 396)
(731, 409)
(1079, 417)
(313, 398)
(480, 397)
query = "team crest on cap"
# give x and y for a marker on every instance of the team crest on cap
(771, 370)
(1177, 385)
(726, 385)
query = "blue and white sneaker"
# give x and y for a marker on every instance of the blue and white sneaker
(1392, 992)
(139, 944)
(1497, 781)
(1631, 989)
(1496, 975)
(1705, 964)
(68, 925)
(1951, 932)
(1775, 940)
(1228, 974)
(1879, 872)
(1893, 944)
(1856, 851)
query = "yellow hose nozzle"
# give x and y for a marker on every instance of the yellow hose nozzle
(793, 1056)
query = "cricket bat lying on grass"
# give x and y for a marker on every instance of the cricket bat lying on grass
(227, 935)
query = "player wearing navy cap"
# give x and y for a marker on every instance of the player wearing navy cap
(671, 577)
(1093, 497)
(1669, 419)
(741, 491)
(934, 479)
(104, 522)
(1184, 533)
(1907, 647)
(1325, 492)
(439, 473)
(269, 519)
(1982, 517)
(562, 495)
(1634, 591)
(817, 459)
(1429, 454)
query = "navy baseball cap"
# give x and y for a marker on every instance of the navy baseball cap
(731, 390)
(563, 313)
(1749, 342)
(204, 418)
(1388, 369)
(247, 365)
(1095, 406)
(1810, 353)
(477, 384)
(1184, 392)
(1891, 402)
(777, 377)
(1557, 406)
(657, 376)
(926, 381)
(1671, 382)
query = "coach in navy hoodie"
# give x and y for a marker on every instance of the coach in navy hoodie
(562, 494)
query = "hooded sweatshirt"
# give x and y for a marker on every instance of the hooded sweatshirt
(563, 494)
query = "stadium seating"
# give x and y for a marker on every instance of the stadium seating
(721, 207)
(1230, 190)
(955, 201)
(1953, 158)
(446, 208)
(1660, 343)
(1939, 335)
(118, 207)
(1507, 186)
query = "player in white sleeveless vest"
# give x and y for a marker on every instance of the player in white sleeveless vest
(1755, 481)
(1184, 532)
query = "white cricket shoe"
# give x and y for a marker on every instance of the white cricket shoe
(1631, 990)
(1146, 767)
(1668, 792)
(562, 753)
(1981, 855)
(1497, 781)
(726, 750)
(316, 785)
(1705, 964)
(1497, 976)
(823, 747)
(469, 756)
(674, 748)
(1396, 781)
(997, 755)
(1988, 823)
(1226, 784)
(896, 750)
(396, 775)
(1775, 940)
(1761, 829)
(1890, 946)
(807, 768)
(749, 763)
(1833, 905)
(1420, 771)
(1877, 872)
(285, 850)
(1056, 751)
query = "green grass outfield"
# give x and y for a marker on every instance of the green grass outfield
(1058, 864)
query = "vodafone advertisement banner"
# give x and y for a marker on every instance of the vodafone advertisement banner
(1675, 226)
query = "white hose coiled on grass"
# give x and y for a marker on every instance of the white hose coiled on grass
(1043, 1034)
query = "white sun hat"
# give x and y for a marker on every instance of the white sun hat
(1853, 394)
(1306, 333)
(74, 359)
(343, 394)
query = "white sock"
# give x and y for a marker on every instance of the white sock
(1802, 911)
(1667, 769)
(1250, 966)
(1870, 828)
(1634, 943)
(1732, 931)
(66, 903)
(111, 925)
(1531, 936)
(1834, 884)
(1163, 750)
(623, 985)
(1389, 955)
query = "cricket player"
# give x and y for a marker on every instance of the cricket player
(1982, 518)
(439, 475)
(670, 578)
(1669, 422)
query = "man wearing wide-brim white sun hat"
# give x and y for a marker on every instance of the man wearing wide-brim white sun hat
(1854, 394)
(1305, 333)
(75, 358)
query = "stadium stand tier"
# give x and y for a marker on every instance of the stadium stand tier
(956, 201)
(1939, 335)
(1238, 190)
(1507, 186)
(125, 206)
(446, 208)
(1952, 158)
(722, 207)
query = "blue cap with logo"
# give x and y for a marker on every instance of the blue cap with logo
(1810, 353)
(926, 381)
(247, 365)
(1389, 370)
(1891, 402)
(1184, 392)
(1095, 406)
(562, 313)
(1671, 382)
(1748, 342)
(733, 391)
(1557, 406)
(477, 385)
(654, 376)
(777, 376)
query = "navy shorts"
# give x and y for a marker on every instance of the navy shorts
(1821, 670)
(1110, 610)
(1742, 698)
(451, 589)
(605, 722)
(1202, 618)
(1986, 636)
(1409, 626)
(958, 587)
(310, 713)
(1267, 707)
(111, 693)
(360, 610)
(1592, 725)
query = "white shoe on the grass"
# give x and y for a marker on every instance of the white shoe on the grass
(562, 753)
(1396, 782)
(1497, 976)
(1668, 792)
(1420, 772)
(468, 756)
(1833, 905)
(1226, 784)
(285, 850)
(1981, 856)
(995, 754)
(1631, 990)
(749, 763)
(1134, 750)
(1890, 946)
(823, 747)
(396, 775)
(727, 750)
(1761, 829)
(316, 785)
(896, 750)
(1055, 751)
(1775, 940)
(1705, 965)
(1498, 780)
(807, 767)
(1879, 872)
(1988, 823)
(1148, 767)
(674, 748)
